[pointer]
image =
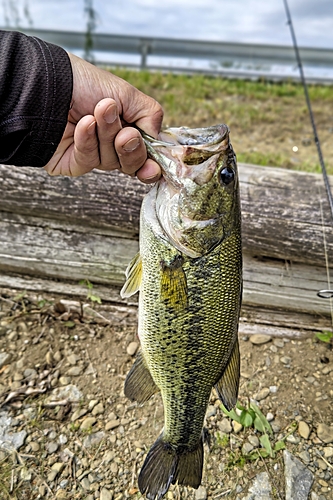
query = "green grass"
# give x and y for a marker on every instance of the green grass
(266, 119)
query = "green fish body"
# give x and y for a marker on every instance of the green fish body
(189, 272)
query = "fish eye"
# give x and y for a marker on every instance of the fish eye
(227, 175)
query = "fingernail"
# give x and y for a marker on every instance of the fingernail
(91, 129)
(131, 145)
(111, 114)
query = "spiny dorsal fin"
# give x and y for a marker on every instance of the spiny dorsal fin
(133, 277)
(139, 384)
(173, 284)
(227, 386)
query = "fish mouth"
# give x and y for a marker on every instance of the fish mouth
(178, 149)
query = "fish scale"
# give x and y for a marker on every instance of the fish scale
(189, 302)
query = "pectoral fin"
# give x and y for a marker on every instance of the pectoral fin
(173, 284)
(227, 386)
(133, 277)
(139, 384)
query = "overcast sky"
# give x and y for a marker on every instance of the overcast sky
(222, 20)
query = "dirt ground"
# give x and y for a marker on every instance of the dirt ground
(90, 444)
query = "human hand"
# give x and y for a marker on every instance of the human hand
(97, 134)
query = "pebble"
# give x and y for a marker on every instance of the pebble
(260, 488)
(51, 447)
(258, 339)
(72, 359)
(132, 348)
(225, 426)
(305, 457)
(98, 409)
(75, 371)
(293, 439)
(87, 423)
(269, 417)
(304, 430)
(211, 411)
(93, 439)
(254, 441)
(247, 448)
(286, 360)
(34, 446)
(201, 493)
(237, 427)
(55, 470)
(112, 424)
(278, 343)
(62, 439)
(328, 452)
(92, 404)
(85, 483)
(298, 478)
(325, 433)
(105, 494)
(80, 412)
(5, 358)
(262, 394)
(64, 380)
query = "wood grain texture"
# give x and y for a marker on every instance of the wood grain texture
(57, 229)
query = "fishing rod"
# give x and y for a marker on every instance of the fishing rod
(308, 102)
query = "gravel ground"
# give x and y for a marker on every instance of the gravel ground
(68, 432)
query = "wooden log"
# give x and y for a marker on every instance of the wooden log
(285, 213)
(57, 230)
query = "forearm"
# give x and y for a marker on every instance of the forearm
(35, 95)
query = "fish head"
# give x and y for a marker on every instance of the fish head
(197, 198)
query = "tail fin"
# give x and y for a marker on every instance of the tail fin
(166, 465)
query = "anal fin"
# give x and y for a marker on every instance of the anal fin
(227, 386)
(139, 384)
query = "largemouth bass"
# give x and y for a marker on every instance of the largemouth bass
(189, 273)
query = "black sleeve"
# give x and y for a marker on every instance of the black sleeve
(35, 94)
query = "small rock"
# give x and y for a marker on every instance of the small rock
(75, 371)
(55, 470)
(237, 427)
(278, 343)
(273, 389)
(87, 423)
(211, 411)
(305, 457)
(254, 441)
(5, 358)
(61, 494)
(293, 439)
(70, 392)
(114, 468)
(92, 404)
(85, 483)
(34, 446)
(258, 339)
(247, 448)
(64, 380)
(201, 493)
(72, 359)
(225, 426)
(286, 360)
(80, 412)
(112, 424)
(325, 433)
(328, 452)
(25, 474)
(62, 439)
(322, 465)
(49, 358)
(132, 348)
(260, 488)
(262, 394)
(304, 430)
(98, 409)
(93, 439)
(105, 494)
(269, 417)
(51, 447)
(310, 379)
(298, 478)
(327, 370)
